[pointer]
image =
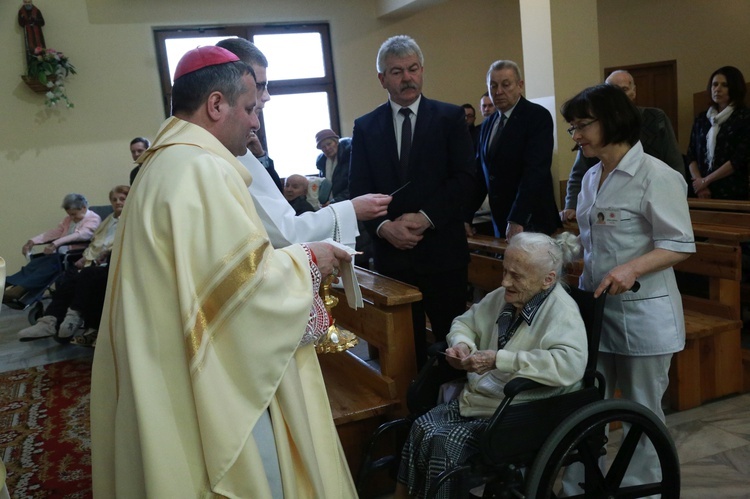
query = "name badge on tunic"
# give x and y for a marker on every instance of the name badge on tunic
(607, 216)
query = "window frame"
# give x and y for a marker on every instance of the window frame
(326, 83)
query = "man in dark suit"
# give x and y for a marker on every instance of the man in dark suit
(333, 163)
(515, 157)
(421, 241)
(471, 117)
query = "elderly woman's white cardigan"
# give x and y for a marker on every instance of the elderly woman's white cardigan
(552, 350)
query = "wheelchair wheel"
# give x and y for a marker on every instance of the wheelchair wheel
(582, 438)
(35, 312)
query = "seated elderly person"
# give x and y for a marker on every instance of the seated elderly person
(529, 327)
(79, 298)
(333, 163)
(295, 191)
(77, 226)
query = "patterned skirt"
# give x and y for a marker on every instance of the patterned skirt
(438, 440)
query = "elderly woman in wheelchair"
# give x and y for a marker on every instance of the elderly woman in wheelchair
(77, 227)
(79, 296)
(529, 327)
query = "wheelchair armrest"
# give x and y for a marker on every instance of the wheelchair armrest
(83, 242)
(423, 391)
(518, 385)
(436, 348)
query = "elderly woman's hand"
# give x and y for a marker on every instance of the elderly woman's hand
(456, 354)
(480, 362)
(27, 247)
(50, 249)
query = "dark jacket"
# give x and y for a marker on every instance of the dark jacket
(340, 180)
(732, 144)
(440, 181)
(516, 172)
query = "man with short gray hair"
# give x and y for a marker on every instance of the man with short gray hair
(514, 158)
(420, 150)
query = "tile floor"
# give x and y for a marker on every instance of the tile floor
(713, 441)
(20, 355)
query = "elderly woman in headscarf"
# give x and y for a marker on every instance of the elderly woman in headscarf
(529, 327)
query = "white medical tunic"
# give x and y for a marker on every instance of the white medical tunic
(641, 205)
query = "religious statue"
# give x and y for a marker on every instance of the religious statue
(31, 20)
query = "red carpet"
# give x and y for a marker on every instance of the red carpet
(44, 430)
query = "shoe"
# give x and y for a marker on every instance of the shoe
(13, 293)
(87, 339)
(44, 328)
(72, 322)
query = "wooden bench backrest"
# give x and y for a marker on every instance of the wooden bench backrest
(485, 272)
(722, 264)
(733, 219)
(713, 260)
(719, 205)
(385, 324)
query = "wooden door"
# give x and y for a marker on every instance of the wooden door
(656, 86)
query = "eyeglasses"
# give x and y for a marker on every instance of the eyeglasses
(579, 127)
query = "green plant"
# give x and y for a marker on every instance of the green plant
(50, 68)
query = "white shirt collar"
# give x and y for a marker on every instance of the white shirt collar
(509, 111)
(395, 108)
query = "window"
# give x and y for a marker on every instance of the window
(301, 83)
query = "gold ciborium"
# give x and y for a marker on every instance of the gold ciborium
(336, 339)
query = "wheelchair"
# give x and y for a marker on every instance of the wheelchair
(526, 447)
(32, 300)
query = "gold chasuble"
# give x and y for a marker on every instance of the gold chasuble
(200, 335)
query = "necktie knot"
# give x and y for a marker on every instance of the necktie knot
(405, 112)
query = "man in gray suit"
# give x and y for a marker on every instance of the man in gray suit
(657, 137)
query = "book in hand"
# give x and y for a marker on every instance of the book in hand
(348, 278)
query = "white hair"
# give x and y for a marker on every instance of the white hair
(546, 253)
(398, 46)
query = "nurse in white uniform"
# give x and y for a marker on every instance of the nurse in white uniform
(635, 225)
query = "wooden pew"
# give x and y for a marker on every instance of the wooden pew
(710, 366)
(730, 222)
(362, 395)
